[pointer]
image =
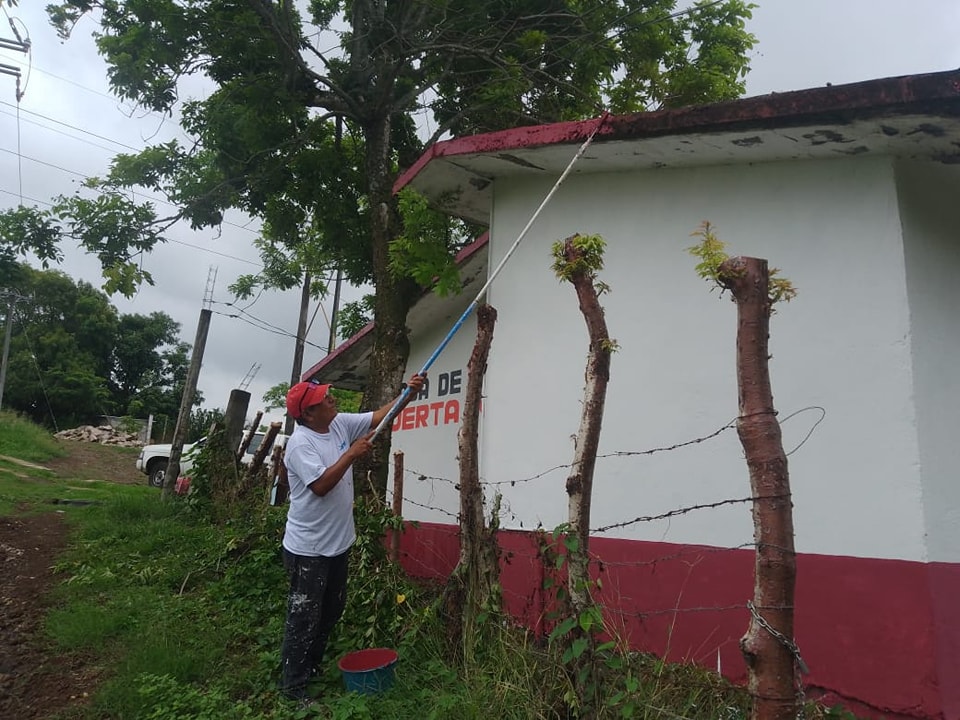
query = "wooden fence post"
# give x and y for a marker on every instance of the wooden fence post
(397, 504)
(768, 647)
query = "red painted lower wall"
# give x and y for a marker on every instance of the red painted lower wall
(881, 637)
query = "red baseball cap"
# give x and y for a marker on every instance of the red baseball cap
(303, 395)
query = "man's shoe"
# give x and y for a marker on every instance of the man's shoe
(308, 703)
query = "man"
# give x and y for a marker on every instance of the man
(319, 457)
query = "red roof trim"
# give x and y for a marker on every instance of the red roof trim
(522, 137)
(838, 102)
(470, 250)
(346, 345)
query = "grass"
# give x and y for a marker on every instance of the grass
(21, 438)
(22, 484)
(182, 618)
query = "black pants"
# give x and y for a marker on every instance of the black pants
(318, 595)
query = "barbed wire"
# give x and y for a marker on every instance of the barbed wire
(442, 511)
(823, 415)
(676, 512)
(422, 476)
(685, 510)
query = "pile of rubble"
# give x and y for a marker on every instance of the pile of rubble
(103, 434)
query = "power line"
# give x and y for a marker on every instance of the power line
(60, 132)
(74, 127)
(85, 87)
(279, 331)
(87, 177)
(173, 240)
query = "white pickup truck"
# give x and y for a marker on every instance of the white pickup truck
(153, 459)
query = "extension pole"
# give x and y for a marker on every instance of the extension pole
(486, 286)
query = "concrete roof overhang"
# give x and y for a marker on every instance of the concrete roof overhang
(916, 116)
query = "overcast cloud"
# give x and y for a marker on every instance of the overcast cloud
(70, 127)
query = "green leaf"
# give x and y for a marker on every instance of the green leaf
(563, 628)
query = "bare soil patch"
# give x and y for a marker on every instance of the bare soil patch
(91, 461)
(37, 680)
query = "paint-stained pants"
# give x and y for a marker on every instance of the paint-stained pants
(318, 595)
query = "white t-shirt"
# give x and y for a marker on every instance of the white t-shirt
(321, 525)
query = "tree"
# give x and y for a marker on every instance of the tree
(138, 365)
(266, 137)
(201, 421)
(60, 350)
(577, 260)
(74, 358)
(473, 588)
(772, 657)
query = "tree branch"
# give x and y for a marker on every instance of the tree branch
(337, 100)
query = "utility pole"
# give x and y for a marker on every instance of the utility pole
(189, 388)
(19, 45)
(301, 341)
(12, 298)
(336, 309)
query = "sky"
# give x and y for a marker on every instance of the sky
(67, 126)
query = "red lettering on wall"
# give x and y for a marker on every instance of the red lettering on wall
(425, 415)
(423, 412)
(451, 412)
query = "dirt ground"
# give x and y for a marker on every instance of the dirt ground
(37, 681)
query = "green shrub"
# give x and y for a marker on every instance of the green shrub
(25, 440)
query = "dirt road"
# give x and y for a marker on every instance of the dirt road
(38, 681)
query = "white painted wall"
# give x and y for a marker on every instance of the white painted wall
(930, 215)
(843, 344)
(430, 452)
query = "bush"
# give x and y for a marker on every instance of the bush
(25, 440)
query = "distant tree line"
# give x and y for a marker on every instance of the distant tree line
(74, 358)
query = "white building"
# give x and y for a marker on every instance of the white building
(854, 192)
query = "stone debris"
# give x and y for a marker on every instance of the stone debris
(103, 434)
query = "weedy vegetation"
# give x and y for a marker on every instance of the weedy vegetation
(177, 609)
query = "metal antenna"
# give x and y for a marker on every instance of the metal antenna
(251, 374)
(208, 291)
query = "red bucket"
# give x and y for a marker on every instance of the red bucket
(370, 671)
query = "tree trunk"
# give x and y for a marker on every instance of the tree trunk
(580, 480)
(768, 646)
(474, 584)
(393, 300)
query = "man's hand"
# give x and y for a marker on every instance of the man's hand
(360, 447)
(415, 383)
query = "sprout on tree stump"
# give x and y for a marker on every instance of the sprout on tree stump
(716, 266)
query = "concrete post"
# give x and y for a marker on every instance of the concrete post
(186, 402)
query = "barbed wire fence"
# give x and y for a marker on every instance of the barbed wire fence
(632, 615)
